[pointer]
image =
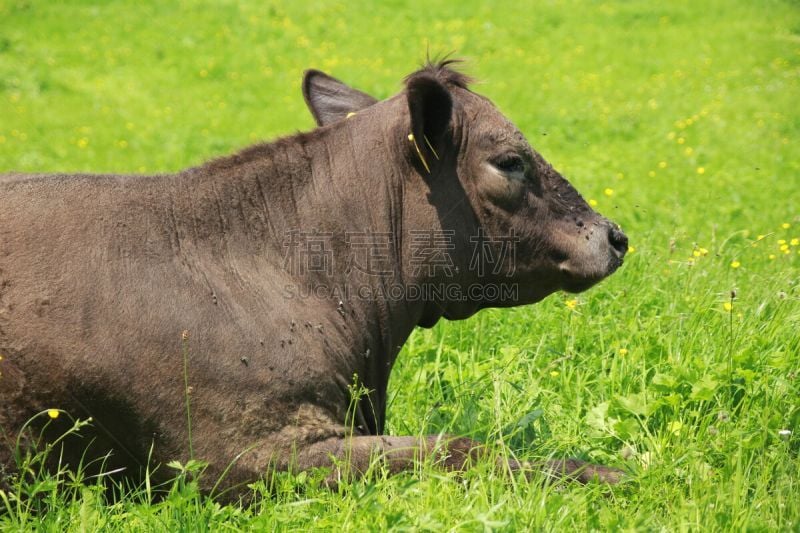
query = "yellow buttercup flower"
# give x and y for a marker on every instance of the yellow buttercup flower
(786, 225)
(727, 306)
(735, 264)
(592, 202)
(623, 351)
(701, 170)
(554, 373)
(608, 191)
(53, 413)
(571, 304)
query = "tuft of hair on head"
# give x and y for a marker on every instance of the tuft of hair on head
(442, 68)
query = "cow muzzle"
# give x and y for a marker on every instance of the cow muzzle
(599, 256)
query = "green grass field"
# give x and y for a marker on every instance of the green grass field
(679, 121)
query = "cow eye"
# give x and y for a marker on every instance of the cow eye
(509, 163)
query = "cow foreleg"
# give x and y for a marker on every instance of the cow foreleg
(354, 455)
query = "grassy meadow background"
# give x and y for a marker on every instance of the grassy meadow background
(679, 120)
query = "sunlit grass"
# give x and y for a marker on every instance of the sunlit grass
(679, 121)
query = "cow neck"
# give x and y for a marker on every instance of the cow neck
(358, 186)
(361, 183)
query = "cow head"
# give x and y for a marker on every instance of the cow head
(486, 175)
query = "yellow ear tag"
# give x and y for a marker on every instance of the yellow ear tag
(419, 153)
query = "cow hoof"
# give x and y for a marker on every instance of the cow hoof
(602, 474)
(584, 472)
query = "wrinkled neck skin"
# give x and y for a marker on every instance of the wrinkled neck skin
(351, 177)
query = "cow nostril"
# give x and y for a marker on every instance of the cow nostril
(618, 240)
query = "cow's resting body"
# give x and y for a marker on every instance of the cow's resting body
(100, 275)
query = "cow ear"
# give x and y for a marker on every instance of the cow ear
(329, 99)
(430, 105)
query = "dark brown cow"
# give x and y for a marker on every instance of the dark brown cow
(297, 267)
